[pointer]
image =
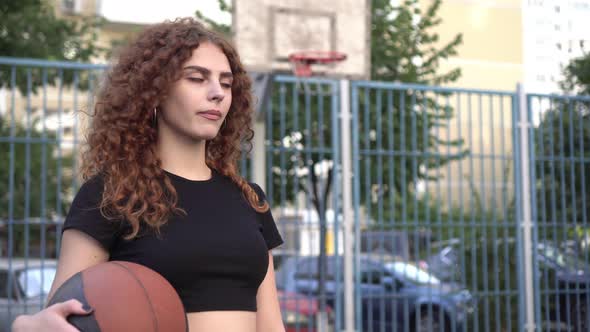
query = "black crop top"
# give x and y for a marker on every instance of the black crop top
(215, 256)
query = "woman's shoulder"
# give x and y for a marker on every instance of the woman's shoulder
(85, 214)
(256, 187)
(91, 189)
(227, 184)
(94, 182)
(258, 190)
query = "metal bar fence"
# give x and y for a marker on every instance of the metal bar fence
(436, 216)
(559, 168)
(40, 134)
(303, 181)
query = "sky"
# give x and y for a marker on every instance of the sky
(153, 11)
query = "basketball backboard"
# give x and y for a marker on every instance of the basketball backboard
(268, 31)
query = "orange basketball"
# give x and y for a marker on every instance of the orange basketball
(125, 297)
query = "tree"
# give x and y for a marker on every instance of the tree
(42, 197)
(577, 75)
(30, 29)
(404, 49)
(403, 44)
(562, 147)
(222, 28)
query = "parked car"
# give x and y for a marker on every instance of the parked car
(570, 276)
(24, 285)
(299, 311)
(445, 264)
(394, 294)
(563, 279)
(280, 255)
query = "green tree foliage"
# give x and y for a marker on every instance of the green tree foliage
(30, 29)
(405, 48)
(562, 148)
(577, 75)
(33, 173)
(224, 29)
(33, 182)
(404, 44)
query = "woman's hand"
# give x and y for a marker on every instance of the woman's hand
(52, 318)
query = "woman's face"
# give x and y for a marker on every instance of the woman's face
(199, 101)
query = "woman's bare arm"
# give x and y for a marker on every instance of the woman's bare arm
(78, 252)
(268, 316)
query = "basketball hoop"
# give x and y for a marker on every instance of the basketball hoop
(302, 61)
(301, 65)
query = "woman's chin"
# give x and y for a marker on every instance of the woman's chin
(205, 136)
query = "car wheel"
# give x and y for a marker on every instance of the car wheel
(580, 318)
(430, 323)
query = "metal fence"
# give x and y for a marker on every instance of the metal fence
(403, 207)
(437, 169)
(560, 166)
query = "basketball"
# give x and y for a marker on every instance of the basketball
(125, 297)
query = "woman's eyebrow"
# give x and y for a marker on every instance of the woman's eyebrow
(206, 72)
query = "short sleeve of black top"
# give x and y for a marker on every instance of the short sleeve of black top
(268, 226)
(215, 255)
(85, 214)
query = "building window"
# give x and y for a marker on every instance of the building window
(71, 6)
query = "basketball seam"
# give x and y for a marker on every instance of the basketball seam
(145, 292)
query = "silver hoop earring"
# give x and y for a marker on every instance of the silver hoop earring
(155, 117)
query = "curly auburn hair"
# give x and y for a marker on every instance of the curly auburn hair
(121, 142)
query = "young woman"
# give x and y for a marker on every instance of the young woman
(162, 185)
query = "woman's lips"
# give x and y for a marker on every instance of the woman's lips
(211, 115)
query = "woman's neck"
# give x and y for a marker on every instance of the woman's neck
(185, 158)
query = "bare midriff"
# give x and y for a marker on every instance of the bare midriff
(238, 321)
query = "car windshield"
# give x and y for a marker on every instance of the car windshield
(413, 273)
(36, 281)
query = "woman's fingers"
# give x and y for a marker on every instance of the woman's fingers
(70, 307)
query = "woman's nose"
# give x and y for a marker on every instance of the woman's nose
(215, 92)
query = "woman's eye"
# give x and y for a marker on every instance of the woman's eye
(195, 79)
(226, 85)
